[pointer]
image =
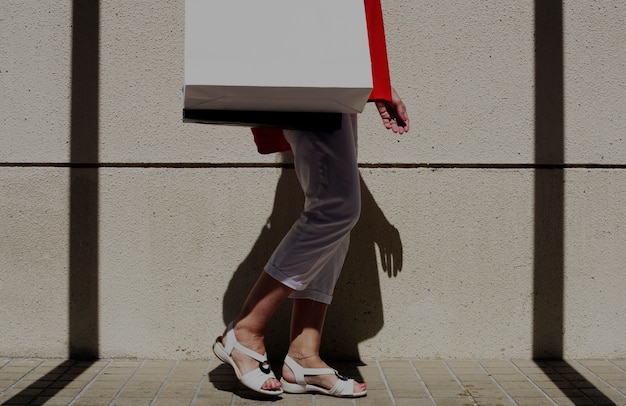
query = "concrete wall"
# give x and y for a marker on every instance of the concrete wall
(501, 215)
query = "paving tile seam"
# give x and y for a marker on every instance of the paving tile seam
(622, 370)
(428, 392)
(21, 378)
(123, 388)
(90, 383)
(495, 381)
(384, 378)
(601, 379)
(165, 381)
(528, 379)
(458, 381)
(204, 378)
(580, 370)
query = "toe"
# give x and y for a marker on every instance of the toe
(271, 384)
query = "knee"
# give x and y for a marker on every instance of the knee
(345, 214)
(338, 208)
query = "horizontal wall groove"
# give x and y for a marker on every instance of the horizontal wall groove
(243, 165)
(494, 166)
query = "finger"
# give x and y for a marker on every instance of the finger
(402, 112)
(403, 125)
(393, 125)
(391, 266)
(383, 260)
(403, 117)
(397, 266)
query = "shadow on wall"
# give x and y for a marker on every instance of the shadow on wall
(549, 222)
(84, 182)
(356, 312)
(83, 340)
(548, 289)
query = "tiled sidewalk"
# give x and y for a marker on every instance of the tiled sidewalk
(397, 382)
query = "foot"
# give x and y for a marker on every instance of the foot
(326, 381)
(246, 363)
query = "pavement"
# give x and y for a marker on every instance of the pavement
(390, 382)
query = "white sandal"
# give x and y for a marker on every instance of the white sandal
(253, 379)
(343, 388)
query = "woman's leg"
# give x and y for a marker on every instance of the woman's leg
(250, 325)
(307, 322)
(311, 255)
(326, 165)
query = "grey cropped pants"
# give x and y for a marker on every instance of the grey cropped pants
(310, 256)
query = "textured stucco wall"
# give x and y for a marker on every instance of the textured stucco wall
(185, 215)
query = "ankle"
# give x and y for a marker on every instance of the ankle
(248, 331)
(246, 338)
(250, 326)
(303, 351)
(298, 357)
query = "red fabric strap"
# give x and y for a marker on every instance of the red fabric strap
(378, 51)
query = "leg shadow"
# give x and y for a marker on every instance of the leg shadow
(356, 313)
(288, 203)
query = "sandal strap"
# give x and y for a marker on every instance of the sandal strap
(257, 377)
(342, 387)
(232, 343)
(300, 372)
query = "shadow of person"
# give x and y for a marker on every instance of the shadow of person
(356, 313)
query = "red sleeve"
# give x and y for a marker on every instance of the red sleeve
(269, 140)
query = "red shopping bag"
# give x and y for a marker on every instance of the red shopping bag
(270, 140)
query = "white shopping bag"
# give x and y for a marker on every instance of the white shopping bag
(276, 55)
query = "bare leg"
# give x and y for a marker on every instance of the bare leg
(263, 300)
(307, 322)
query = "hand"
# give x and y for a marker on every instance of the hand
(390, 250)
(393, 114)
